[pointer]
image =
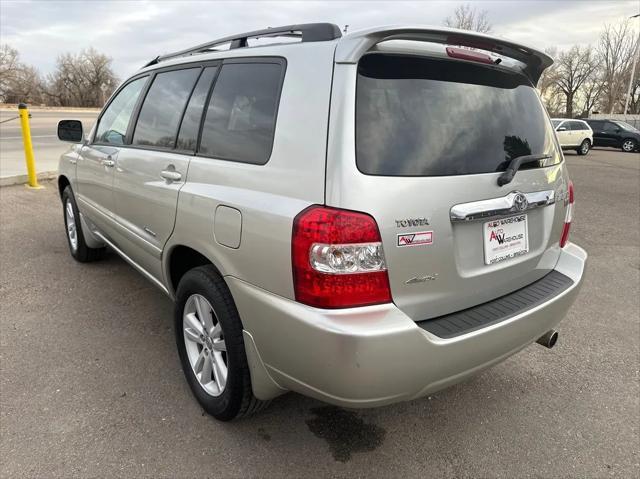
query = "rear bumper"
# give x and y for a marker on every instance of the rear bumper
(372, 356)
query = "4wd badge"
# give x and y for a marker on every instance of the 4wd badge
(415, 239)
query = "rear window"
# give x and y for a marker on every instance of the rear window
(430, 117)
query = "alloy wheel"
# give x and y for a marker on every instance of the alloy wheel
(205, 345)
(585, 147)
(628, 145)
(72, 230)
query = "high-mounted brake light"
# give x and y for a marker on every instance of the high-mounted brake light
(470, 55)
(465, 41)
(338, 260)
(564, 239)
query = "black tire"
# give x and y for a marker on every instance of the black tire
(584, 147)
(81, 252)
(237, 397)
(629, 141)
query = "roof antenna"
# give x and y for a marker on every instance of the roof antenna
(344, 30)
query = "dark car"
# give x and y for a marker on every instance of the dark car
(615, 134)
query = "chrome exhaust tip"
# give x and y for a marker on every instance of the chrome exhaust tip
(549, 339)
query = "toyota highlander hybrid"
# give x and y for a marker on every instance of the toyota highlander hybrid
(363, 219)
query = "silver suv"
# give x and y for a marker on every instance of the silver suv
(363, 219)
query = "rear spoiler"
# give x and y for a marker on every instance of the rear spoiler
(352, 46)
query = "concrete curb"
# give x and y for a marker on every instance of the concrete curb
(23, 179)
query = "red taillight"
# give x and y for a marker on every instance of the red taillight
(564, 238)
(470, 55)
(337, 259)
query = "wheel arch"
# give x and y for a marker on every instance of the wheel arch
(180, 258)
(63, 182)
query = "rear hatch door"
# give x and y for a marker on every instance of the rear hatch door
(432, 137)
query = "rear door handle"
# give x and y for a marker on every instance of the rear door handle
(109, 162)
(171, 175)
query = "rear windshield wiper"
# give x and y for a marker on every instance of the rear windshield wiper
(515, 164)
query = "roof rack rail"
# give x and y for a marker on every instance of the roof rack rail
(307, 32)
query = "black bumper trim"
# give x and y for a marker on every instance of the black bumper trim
(501, 309)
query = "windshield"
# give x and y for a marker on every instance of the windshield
(417, 116)
(625, 126)
(555, 123)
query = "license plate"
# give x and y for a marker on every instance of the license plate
(505, 239)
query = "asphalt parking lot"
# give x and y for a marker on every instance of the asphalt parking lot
(91, 386)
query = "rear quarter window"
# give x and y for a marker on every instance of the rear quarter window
(417, 116)
(241, 117)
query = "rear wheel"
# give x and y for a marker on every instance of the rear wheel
(629, 145)
(211, 347)
(75, 238)
(584, 147)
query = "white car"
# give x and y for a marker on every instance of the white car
(573, 135)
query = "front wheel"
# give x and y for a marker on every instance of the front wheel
(584, 147)
(629, 145)
(211, 347)
(75, 238)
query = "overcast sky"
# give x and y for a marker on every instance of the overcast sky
(133, 32)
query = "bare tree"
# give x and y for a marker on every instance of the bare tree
(548, 88)
(9, 68)
(591, 93)
(616, 48)
(18, 82)
(467, 17)
(634, 99)
(574, 69)
(26, 87)
(78, 79)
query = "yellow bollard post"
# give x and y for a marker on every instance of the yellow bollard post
(28, 147)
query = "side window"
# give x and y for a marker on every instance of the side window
(596, 125)
(112, 128)
(576, 125)
(241, 116)
(612, 127)
(162, 108)
(188, 136)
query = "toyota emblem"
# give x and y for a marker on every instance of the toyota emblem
(520, 202)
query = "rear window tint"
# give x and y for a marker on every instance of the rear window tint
(188, 136)
(162, 108)
(428, 117)
(577, 125)
(240, 120)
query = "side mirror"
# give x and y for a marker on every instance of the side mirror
(70, 130)
(562, 128)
